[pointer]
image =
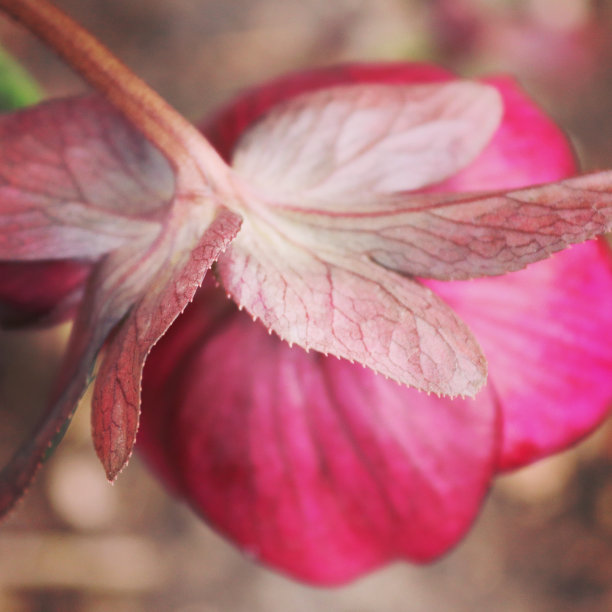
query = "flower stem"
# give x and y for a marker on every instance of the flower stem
(167, 129)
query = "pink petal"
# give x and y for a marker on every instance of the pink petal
(527, 149)
(354, 142)
(116, 399)
(544, 331)
(334, 289)
(76, 181)
(124, 290)
(335, 168)
(313, 465)
(441, 236)
(558, 407)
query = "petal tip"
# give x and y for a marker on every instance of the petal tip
(115, 467)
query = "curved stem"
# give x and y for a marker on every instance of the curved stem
(167, 129)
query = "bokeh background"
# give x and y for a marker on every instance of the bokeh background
(544, 539)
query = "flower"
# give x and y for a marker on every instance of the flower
(324, 470)
(115, 208)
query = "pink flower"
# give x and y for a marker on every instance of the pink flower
(351, 184)
(324, 470)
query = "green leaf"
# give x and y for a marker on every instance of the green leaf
(17, 87)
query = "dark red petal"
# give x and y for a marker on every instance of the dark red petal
(311, 464)
(41, 293)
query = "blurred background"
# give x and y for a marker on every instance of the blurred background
(544, 539)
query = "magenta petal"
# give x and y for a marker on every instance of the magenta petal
(527, 149)
(546, 334)
(312, 465)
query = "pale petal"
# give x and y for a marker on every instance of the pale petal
(76, 180)
(80, 181)
(137, 291)
(528, 148)
(349, 143)
(458, 236)
(187, 254)
(224, 128)
(352, 309)
(317, 219)
(323, 280)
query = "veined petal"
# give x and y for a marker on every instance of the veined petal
(545, 331)
(318, 208)
(116, 399)
(76, 181)
(311, 464)
(459, 236)
(292, 268)
(225, 127)
(103, 307)
(335, 168)
(352, 143)
(528, 148)
(352, 309)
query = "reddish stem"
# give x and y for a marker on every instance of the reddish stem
(167, 129)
